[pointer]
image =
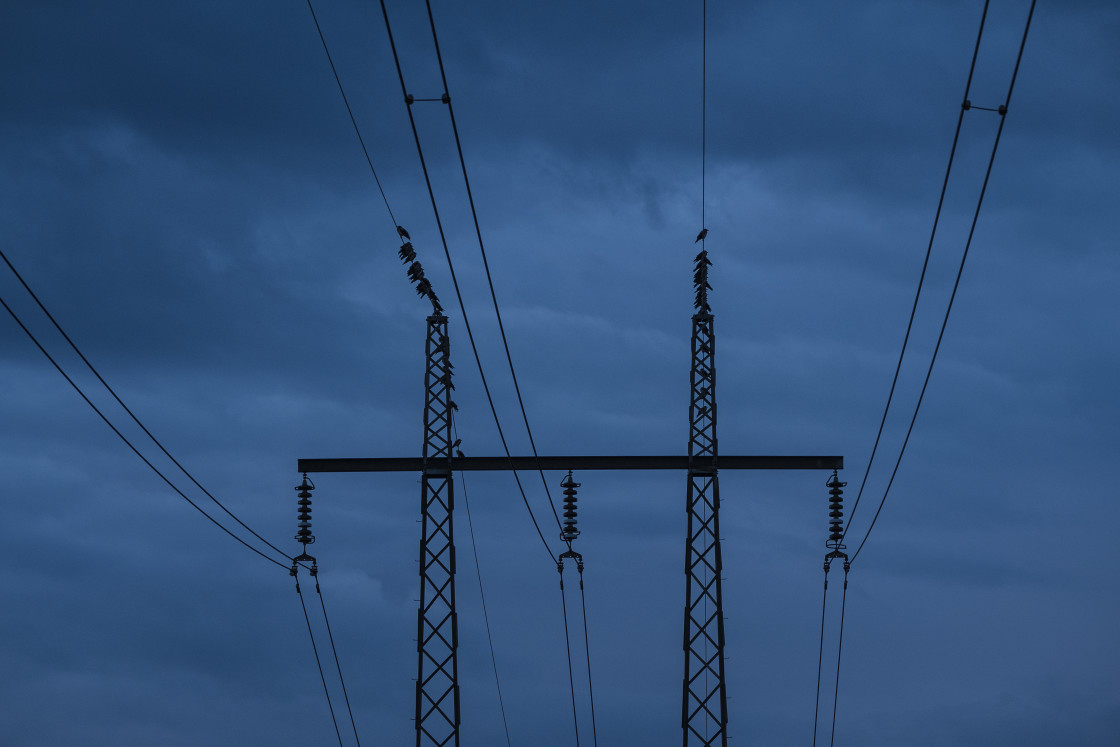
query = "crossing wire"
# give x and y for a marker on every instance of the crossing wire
(458, 293)
(960, 270)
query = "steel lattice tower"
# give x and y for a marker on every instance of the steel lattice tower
(437, 638)
(704, 698)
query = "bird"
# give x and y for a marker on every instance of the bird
(403, 233)
(699, 237)
(415, 272)
(407, 253)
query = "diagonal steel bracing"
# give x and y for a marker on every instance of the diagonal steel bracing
(704, 696)
(437, 629)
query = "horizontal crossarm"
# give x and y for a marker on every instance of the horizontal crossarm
(577, 463)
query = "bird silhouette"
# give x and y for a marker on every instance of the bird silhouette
(407, 253)
(699, 237)
(415, 272)
(403, 233)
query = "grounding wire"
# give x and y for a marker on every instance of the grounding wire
(337, 665)
(455, 284)
(128, 443)
(318, 663)
(482, 594)
(485, 264)
(956, 282)
(925, 265)
(126, 408)
(350, 111)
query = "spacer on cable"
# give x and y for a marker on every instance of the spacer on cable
(409, 98)
(445, 98)
(1002, 109)
(966, 105)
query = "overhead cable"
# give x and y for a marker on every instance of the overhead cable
(1002, 111)
(128, 443)
(350, 111)
(125, 407)
(925, 262)
(482, 594)
(482, 250)
(455, 284)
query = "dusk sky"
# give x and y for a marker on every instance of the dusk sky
(181, 186)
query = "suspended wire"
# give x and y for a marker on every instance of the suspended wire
(350, 111)
(338, 666)
(482, 594)
(318, 663)
(703, 118)
(458, 293)
(128, 443)
(925, 265)
(820, 657)
(568, 646)
(120, 402)
(956, 282)
(485, 264)
(839, 650)
(587, 648)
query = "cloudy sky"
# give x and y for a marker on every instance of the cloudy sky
(181, 186)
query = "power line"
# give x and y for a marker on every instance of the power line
(482, 595)
(485, 264)
(318, 662)
(455, 284)
(334, 652)
(960, 270)
(120, 402)
(925, 265)
(350, 111)
(128, 443)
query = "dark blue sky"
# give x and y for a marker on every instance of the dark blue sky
(182, 186)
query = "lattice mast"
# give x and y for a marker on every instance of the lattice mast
(437, 625)
(704, 698)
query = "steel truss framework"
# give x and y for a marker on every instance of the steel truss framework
(437, 637)
(704, 696)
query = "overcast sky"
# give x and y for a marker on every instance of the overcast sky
(181, 185)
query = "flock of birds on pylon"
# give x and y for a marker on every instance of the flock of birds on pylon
(415, 272)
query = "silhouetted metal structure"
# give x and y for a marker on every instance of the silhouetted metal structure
(704, 710)
(437, 626)
(704, 692)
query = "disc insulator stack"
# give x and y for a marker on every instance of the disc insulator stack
(304, 489)
(569, 531)
(835, 512)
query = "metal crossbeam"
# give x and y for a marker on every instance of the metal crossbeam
(577, 463)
